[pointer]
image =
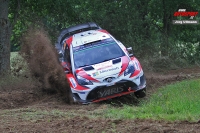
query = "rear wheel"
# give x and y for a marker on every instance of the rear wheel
(140, 93)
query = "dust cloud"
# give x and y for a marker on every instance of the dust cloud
(43, 63)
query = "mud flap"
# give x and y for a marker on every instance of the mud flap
(141, 93)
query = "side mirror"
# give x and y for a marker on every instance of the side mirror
(60, 54)
(130, 51)
(65, 67)
(130, 55)
(67, 70)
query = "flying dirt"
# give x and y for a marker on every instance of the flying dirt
(43, 63)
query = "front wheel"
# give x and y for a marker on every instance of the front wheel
(140, 93)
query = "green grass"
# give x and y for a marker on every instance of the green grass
(180, 101)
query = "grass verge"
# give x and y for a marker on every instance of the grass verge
(178, 101)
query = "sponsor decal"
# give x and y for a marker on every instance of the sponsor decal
(107, 70)
(110, 91)
(95, 37)
(104, 67)
(73, 82)
(95, 74)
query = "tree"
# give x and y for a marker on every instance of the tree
(145, 25)
(4, 38)
(161, 14)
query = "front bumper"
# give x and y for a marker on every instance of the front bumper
(122, 87)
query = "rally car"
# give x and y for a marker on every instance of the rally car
(97, 66)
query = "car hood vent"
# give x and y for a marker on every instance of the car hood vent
(115, 61)
(88, 68)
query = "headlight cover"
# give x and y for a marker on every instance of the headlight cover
(83, 81)
(130, 69)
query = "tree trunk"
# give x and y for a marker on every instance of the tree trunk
(4, 38)
(165, 45)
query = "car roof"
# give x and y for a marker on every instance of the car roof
(88, 37)
(67, 32)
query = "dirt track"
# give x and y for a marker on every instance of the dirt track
(29, 106)
(22, 100)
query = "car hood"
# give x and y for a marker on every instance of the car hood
(105, 69)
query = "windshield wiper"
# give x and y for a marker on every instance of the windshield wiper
(82, 66)
(103, 61)
(106, 60)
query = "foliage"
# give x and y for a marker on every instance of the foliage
(144, 25)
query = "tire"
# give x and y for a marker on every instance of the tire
(140, 93)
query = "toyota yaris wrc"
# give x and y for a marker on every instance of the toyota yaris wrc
(97, 66)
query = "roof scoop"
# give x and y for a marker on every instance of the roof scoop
(115, 61)
(88, 68)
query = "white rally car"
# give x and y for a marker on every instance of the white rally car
(97, 66)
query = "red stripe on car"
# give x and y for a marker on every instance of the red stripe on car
(125, 62)
(78, 87)
(83, 74)
(116, 95)
(137, 71)
(69, 41)
(104, 31)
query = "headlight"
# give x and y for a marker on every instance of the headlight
(130, 69)
(83, 81)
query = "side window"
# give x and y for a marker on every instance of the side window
(67, 55)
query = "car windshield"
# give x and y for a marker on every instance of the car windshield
(96, 52)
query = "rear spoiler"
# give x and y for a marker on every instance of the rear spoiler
(67, 32)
